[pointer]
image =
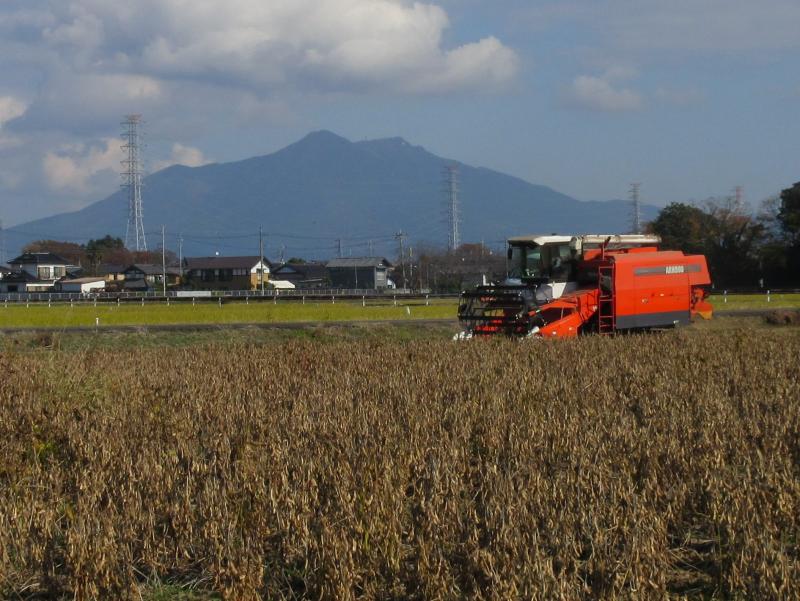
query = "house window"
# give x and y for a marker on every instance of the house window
(44, 273)
(59, 271)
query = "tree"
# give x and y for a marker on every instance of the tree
(107, 250)
(682, 227)
(789, 214)
(70, 251)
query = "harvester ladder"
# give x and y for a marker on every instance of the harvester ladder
(606, 311)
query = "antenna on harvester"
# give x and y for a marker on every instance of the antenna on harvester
(132, 181)
(452, 208)
(636, 209)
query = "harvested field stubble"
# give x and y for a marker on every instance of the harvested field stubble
(629, 467)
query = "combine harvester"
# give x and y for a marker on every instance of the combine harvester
(562, 286)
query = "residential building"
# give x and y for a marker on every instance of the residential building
(45, 267)
(226, 273)
(359, 272)
(152, 275)
(18, 281)
(302, 275)
(4, 271)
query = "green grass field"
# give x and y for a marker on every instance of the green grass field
(755, 301)
(111, 314)
(61, 316)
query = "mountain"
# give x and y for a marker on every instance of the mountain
(324, 188)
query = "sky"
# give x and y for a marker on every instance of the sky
(689, 97)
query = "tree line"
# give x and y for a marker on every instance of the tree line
(744, 249)
(96, 252)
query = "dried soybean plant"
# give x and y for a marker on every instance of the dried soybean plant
(634, 467)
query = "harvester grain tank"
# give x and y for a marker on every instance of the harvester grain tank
(561, 286)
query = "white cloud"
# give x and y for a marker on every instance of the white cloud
(341, 44)
(183, 155)
(73, 167)
(709, 26)
(597, 93)
(11, 108)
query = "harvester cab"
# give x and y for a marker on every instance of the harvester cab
(565, 285)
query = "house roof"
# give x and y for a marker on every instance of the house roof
(301, 271)
(106, 268)
(4, 269)
(359, 262)
(151, 269)
(247, 262)
(39, 259)
(84, 280)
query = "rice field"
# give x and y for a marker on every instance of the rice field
(629, 467)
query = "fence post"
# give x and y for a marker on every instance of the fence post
(724, 296)
(333, 302)
(427, 301)
(304, 299)
(395, 300)
(767, 295)
(220, 302)
(363, 301)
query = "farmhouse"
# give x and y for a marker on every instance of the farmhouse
(44, 269)
(150, 274)
(302, 275)
(359, 272)
(226, 273)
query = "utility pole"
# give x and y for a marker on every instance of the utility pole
(2, 244)
(371, 247)
(411, 265)
(401, 238)
(636, 208)
(261, 258)
(180, 254)
(164, 259)
(339, 246)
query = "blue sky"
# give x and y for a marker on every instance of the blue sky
(689, 97)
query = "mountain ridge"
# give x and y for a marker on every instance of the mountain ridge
(323, 188)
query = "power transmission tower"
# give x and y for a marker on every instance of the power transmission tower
(738, 197)
(636, 208)
(132, 181)
(452, 208)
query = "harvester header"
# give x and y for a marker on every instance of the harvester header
(561, 286)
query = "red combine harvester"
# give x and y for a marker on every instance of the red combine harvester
(562, 286)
